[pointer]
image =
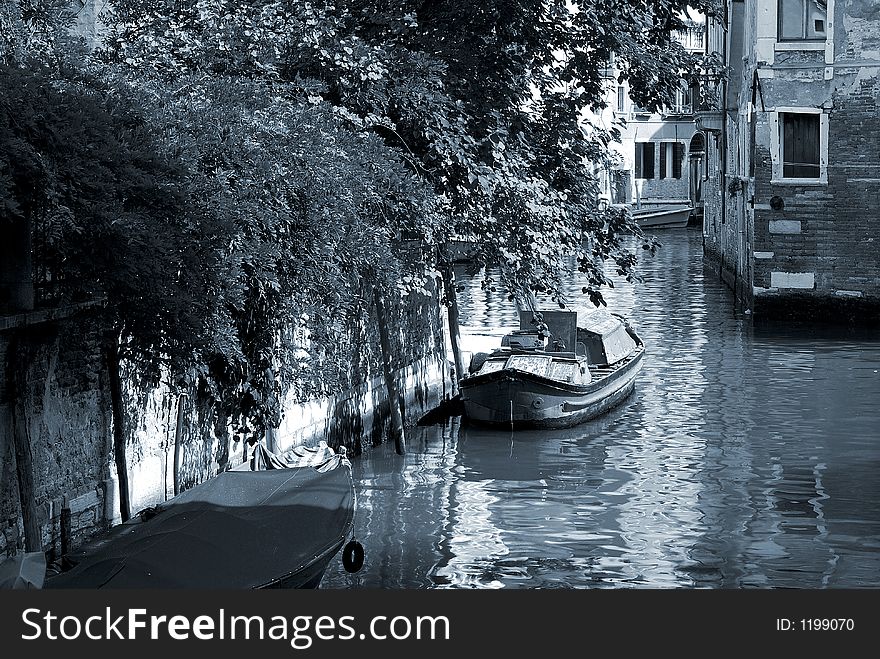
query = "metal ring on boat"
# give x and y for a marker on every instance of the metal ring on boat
(353, 556)
(538, 403)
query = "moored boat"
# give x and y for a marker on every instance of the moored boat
(657, 217)
(553, 372)
(272, 523)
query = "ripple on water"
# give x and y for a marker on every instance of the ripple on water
(746, 457)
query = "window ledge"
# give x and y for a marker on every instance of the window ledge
(799, 45)
(799, 181)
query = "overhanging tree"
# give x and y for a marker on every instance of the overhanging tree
(80, 164)
(483, 101)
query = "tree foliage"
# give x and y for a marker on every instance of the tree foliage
(35, 31)
(236, 176)
(79, 163)
(484, 101)
(308, 210)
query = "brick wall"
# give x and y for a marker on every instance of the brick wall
(724, 216)
(821, 249)
(815, 255)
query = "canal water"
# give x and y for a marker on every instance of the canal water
(746, 457)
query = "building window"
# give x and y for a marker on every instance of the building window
(800, 138)
(621, 99)
(671, 156)
(802, 20)
(799, 145)
(644, 160)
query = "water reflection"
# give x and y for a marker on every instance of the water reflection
(746, 457)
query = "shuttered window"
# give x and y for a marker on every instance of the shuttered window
(677, 157)
(800, 145)
(644, 160)
(671, 155)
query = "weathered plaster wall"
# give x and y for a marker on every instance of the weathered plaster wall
(67, 421)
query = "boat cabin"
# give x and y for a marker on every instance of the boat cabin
(598, 335)
(605, 336)
(559, 327)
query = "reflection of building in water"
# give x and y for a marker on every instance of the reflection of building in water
(765, 500)
(472, 544)
(789, 533)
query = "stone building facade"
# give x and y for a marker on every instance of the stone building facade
(793, 191)
(658, 161)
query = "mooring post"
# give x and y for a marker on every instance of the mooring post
(65, 527)
(451, 297)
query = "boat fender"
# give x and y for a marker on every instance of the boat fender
(353, 556)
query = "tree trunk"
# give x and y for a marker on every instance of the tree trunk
(452, 316)
(397, 431)
(116, 405)
(18, 365)
(271, 434)
(178, 438)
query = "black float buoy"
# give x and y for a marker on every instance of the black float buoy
(353, 556)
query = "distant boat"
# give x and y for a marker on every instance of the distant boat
(553, 372)
(657, 217)
(271, 523)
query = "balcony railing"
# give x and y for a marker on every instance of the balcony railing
(683, 110)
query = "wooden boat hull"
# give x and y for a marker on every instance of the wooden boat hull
(663, 217)
(514, 399)
(310, 575)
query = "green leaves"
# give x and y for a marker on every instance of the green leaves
(36, 31)
(230, 169)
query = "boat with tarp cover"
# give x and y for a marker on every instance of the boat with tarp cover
(272, 522)
(557, 370)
